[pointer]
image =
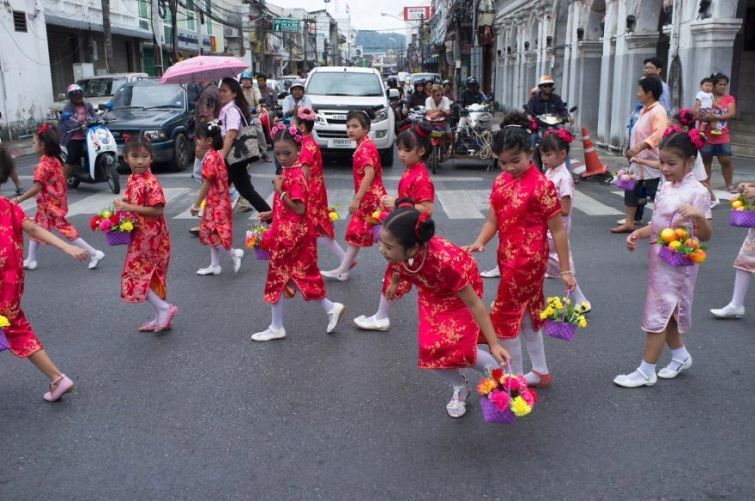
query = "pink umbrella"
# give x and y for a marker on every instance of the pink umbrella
(203, 69)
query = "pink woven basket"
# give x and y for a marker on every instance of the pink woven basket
(376, 233)
(673, 258)
(118, 238)
(560, 330)
(624, 185)
(743, 218)
(262, 254)
(4, 344)
(493, 415)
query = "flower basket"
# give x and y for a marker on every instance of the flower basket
(559, 330)
(118, 238)
(376, 232)
(258, 238)
(262, 254)
(743, 218)
(493, 415)
(4, 344)
(673, 258)
(679, 247)
(624, 184)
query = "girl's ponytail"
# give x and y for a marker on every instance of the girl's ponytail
(410, 226)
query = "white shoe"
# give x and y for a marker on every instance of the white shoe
(98, 256)
(495, 272)
(334, 316)
(235, 197)
(714, 203)
(371, 323)
(727, 311)
(210, 270)
(457, 406)
(674, 368)
(269, 334)
(30, 265)
(621, 221)
(635, 379)
(341, 277)
(237, 255)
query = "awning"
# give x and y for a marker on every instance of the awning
(87, 26)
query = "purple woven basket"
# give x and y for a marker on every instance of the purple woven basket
(560, 330)
(493, 415)
(673, 258)
(624, 185)
(262, 254)
(376, 232)
(4, 344)
(743, 218)
(118, 238)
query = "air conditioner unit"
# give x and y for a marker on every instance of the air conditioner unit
(82, 70)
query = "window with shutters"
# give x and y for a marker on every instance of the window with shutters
(208, 12)
(190, 23)
(144, 14)
(19, 21)
(168, 26)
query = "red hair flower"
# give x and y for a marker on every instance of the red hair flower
(697, 139)
(42, 129)
(563, 134)
(306, 113)
(686, 117)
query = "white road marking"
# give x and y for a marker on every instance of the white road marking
(592, 207)
(464, 204)
(95, 203)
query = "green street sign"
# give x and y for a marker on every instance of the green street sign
(285, 24)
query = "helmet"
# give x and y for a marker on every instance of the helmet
(419, 81)
(393, 81)
(297, 83)
(247, 75)
(472, 81)
(545, 80)
(73, 88)
(446, 82)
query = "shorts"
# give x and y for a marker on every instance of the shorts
(643, 191)
(716, 150)
(75, 151)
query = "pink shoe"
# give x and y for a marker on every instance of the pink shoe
(168, 324)
(545, 380)
(148, 326)
(58, 388)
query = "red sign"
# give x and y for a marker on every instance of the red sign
(416, 13)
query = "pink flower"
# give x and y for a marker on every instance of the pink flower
(106, 225)
(510, 383)
(528, 397)
(499, 399)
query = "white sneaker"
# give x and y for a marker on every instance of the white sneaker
(269, 334)
(727, 311)
(457, 406)
(341, 277)
(235, 197)
(495, 272)
(98, 256)
(675, 367)
(371, 323)
(334, 316)
(714, 203)
(635, 379)
(30, 265)
(237, 255)
(621, 221)
(210, 270)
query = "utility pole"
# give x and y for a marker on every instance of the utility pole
(108, 35)
(159, 36)
(174, 22)
(419, 41)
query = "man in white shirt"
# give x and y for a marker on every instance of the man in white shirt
(437, 105)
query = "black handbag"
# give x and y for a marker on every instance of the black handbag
(246, 145)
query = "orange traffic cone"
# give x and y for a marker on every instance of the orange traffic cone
(593, 167)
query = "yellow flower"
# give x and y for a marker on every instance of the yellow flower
(127, 226)
(543, 315)
(584, 305)
(485, 386)
(549, 311)
(582, 322)
(4, 322)
(333, 216)
(376, 214)
(106, 214)
(203, 204)
(519, 407)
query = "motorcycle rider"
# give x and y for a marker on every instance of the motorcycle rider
(75, 116)
(295, 100)
(448, 90)
(472, 94)
(253, 97)
(393, 83)
(545, 101)
(418, 97)
(269, 98)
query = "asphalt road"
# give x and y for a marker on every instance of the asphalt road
(202, 412)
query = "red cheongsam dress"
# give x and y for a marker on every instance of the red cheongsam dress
(415, 183)
(148, 254)
(448, 332)
(52, 200)
(311, 155)
(293, 254)
(23, 342)
(359, 231)
(522, 208)
(216, 227)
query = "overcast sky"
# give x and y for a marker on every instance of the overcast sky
(365, 15)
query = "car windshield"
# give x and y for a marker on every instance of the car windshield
(101, 87)
(149, 96)
(344, 84)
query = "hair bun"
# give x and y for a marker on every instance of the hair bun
(516, 119)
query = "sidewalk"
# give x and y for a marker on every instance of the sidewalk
(19, 147)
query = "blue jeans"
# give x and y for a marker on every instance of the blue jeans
(716, 150)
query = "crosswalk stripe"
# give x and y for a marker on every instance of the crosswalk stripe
(592, 207)
(464, 204)
(95, 203)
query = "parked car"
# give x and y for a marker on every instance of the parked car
(161, 112)
(98, 91)
(336, 90)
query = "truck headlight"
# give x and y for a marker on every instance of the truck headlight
(154, 135)
(381, 116)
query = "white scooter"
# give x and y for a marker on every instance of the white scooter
(100, 160)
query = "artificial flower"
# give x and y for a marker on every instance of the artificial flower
(4, 322)
(333, 216)
(500, 399)
(582, 322)
(127, 226)
(510, 383)
(520, 407)
(528, 397)
(94, 223)
(115, 219)
(497, 374)
(543, 315)
(485, 386)
(106, 214)
(106, 225)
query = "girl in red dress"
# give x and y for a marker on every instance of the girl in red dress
(51, 196)
(310, 157)
(368, 192)
(524, 205)
(216, 228)
(293, 253)
(146, 267)
(452, 316)
(21, 338)
(414, 147)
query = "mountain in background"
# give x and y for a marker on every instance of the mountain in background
(373, 41)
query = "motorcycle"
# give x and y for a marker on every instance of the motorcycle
(473, 137)
(437, 139)
(268, 118)
(397, 105)
(547, 122)
(100, 160)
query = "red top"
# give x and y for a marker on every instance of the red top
(311, 155)
(720, 105)
(53, 197)
(217, 220)
(415, 183)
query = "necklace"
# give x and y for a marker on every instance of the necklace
(411, 261)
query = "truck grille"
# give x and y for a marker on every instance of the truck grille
(332, 134)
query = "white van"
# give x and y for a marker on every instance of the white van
(336, 90)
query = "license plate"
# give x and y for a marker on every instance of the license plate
(338, 117)
(341, 143)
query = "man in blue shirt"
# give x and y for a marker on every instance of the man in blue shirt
(654, 66)
(295, 100)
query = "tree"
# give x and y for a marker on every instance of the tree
(108, 35)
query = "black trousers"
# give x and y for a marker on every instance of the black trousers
(239, 177)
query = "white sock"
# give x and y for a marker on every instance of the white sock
(578, 296)
(214, 256)
(533, 341)
(741, 284)
(231, 252)
(485, 361)
(333, 246)
(33, 246)
(327, 305)
(453, 377)
(159, 304)
(680, 353)
(383, 308)
(277, 309)
(81, 243)
(514, 347)
(348, 258)
(646, 368)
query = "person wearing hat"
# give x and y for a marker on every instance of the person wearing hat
(268, 96)
(472, 94)
(418, 97)
(73, 126)
(448, 90)
(296, 99)
(545, 101)
(253, 97)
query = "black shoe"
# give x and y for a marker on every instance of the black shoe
(194, 231)
(19, 192)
